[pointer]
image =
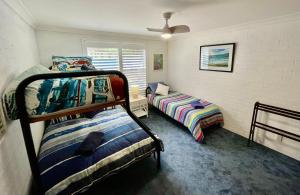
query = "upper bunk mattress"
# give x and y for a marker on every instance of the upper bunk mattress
(64, 172)
(178, 106)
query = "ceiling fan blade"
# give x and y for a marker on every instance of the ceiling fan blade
(155, 29)
(180, 29)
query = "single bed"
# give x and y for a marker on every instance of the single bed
(179, 107)
(57, 167)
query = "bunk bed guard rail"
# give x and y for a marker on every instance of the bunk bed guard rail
(273, 110)
(26, 119)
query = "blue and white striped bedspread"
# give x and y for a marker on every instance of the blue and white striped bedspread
(64, 172)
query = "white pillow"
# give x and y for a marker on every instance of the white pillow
(162, 89)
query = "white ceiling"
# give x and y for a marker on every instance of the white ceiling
(133, 16)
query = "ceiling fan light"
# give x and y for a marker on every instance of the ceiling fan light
(166, 35)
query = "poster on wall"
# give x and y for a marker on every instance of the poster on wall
(158, 61)
(217, 57)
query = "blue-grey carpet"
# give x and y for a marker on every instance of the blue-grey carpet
(224, 165)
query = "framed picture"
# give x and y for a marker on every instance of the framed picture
(217, 57)
(158, 61)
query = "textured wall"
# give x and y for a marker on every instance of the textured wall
(59, 41)
(18, 51)
(266, 69)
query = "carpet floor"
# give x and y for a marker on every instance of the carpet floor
(224, 165)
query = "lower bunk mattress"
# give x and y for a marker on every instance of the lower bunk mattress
(179, 107)
(63, 171)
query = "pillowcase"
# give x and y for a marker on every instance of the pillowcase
(88, 68)
(63, 63)
(153, 86)
(117, 85)
(162, 89)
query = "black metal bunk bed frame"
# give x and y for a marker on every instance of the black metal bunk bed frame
(25, 119)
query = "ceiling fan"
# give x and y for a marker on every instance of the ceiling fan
(168, 31)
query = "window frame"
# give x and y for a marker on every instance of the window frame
(120, 45)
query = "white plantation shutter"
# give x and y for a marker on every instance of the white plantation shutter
(105, 58)
(130, 59)
(134, 67)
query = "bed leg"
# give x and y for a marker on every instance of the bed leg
(158, 159)
(35, 189)
(252, 138)
(249, 139)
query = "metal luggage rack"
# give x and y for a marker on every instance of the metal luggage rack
(273, 110)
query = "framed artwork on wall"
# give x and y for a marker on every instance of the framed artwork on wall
(217, 57)
(158, 61)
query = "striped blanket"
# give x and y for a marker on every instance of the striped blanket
(178, 106)
(64, 172)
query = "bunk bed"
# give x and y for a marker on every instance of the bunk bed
(180, 107)
(60, 167)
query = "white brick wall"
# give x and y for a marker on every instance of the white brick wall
(64, 41)
(266, 69)
(18, 51)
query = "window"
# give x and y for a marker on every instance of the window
(134, 67)
(105, 58)
(129, 60)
